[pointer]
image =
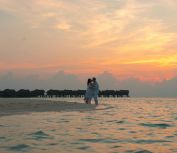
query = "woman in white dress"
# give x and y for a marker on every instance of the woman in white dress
(89, 92)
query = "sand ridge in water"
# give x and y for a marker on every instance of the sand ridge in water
(14, 106)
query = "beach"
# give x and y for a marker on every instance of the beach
(116, 125)
(12, 106)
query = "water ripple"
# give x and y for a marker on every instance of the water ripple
(161, 125)
(116, 147)
(150, 141)
(20, 147)
(84, 148)
(108, 140)
(40, 135)
(2, 138)
(143, 151)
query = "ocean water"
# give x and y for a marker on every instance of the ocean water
(122, 125)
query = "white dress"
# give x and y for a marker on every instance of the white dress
(89, 92)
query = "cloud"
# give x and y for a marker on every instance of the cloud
(62, 80)
(10, 80)
(128, 37)
(100, 23)
(34, 13)
(162, 60)
(107, 81)
(63, 26)
(105, 28)
(59, 80)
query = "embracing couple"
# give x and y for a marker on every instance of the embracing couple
(92, 91)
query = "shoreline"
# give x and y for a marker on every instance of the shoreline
(21, 106)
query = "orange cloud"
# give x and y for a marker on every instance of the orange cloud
(128, 38)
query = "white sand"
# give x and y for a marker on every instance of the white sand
(19, 106)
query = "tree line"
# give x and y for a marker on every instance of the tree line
(25, 93)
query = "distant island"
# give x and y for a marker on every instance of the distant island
(25, 93)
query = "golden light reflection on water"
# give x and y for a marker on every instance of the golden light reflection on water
(116, 125)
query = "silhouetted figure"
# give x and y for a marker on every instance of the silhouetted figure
(88, 93)
(92, 91)
(95, 90)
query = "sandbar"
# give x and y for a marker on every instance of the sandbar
(13, 106)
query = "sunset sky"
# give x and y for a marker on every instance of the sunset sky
(128, 38)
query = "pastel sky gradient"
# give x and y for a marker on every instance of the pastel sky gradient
(129, 38)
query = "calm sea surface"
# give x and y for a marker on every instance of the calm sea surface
(130, 125)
